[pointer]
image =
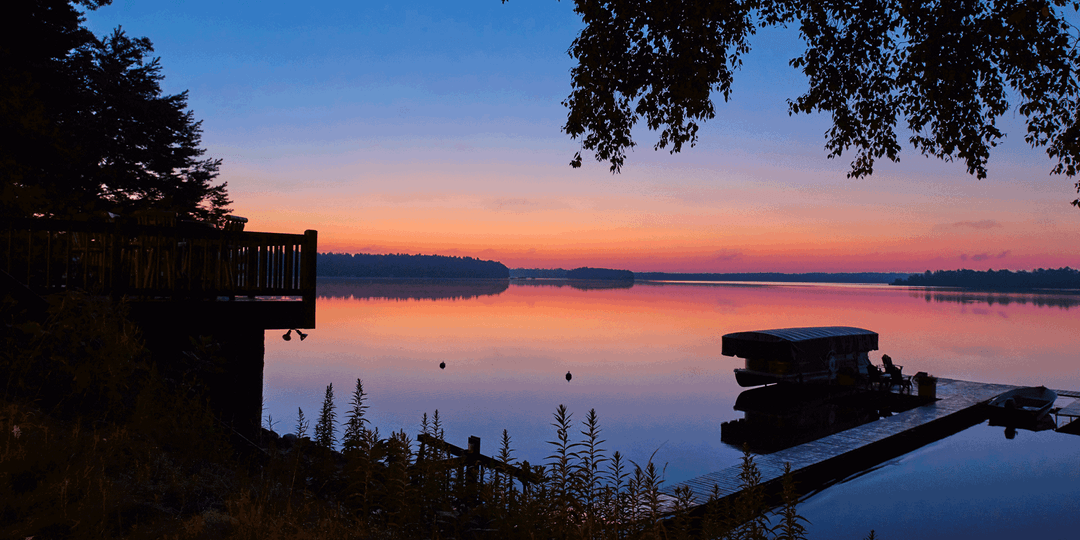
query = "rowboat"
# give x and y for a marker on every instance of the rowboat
(1022, 405)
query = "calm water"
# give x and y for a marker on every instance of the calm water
(647, 358)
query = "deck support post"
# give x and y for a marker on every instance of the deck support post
(228, 363)
(239, 391)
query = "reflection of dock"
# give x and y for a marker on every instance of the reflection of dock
(837, 456)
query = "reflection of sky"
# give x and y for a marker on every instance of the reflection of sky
(647, 358)
(975, 484)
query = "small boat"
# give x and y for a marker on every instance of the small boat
(1022, 405)
(800, 355)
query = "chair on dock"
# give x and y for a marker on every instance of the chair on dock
(874, 377)
(894, 374)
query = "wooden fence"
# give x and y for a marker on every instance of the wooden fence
(152, 261)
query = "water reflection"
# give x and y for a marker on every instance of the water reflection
(647, 358)
(781, 416)
(975, 484)
(411, 289)
(1043, 424)
(1058, 300)
(579, 284)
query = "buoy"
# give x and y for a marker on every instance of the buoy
(442, 365)
(568, 376)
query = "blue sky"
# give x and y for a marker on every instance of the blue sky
(434, 127)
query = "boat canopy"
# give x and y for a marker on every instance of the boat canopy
(799, 343)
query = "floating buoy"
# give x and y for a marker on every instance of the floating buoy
(568, 376)
(442, 365)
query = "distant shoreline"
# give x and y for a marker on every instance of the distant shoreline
(587, 284)
(778, 277)
(420, 267)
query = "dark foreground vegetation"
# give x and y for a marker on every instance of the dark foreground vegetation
(1061, 278)
(408, 266)
(96, 441)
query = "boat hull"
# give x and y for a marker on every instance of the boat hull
(748, 378)
(1022, 405)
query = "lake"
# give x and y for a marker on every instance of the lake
(647, 359)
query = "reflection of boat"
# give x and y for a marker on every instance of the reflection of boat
(800, 355)
(1022, 405)
(781, 416)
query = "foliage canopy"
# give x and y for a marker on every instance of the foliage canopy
(942, 71)
(90, 128)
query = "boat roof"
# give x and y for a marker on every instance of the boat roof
(795, 342)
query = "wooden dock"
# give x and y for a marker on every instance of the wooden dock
(837, 456)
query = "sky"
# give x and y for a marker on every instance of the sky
(435, 128)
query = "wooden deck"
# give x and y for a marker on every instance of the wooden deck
(174, 273)
(839, 455)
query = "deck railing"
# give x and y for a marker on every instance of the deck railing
(149, 262)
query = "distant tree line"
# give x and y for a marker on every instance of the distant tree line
(407, 266)
(544, 273)
(811, 277)
(600, 273)
(1062, 278)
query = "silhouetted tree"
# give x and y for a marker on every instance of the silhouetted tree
(354, 423)
(301, 424)
(944, 70)
(325, 428)
(1061, 278)
(90, 127)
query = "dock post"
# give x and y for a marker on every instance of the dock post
(472, 469)
(309, 260)
(240, 389)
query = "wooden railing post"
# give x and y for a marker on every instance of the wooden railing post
(307, 274)
(117, 255)
(472, 469)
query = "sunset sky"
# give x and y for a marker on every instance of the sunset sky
(434, 127)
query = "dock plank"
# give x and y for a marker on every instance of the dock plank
(1072, 409)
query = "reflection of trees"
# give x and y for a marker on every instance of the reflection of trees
(1002, 299)
(580, 284)
(366, 265)
(409, 289)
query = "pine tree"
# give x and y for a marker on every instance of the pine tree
(94, 129)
